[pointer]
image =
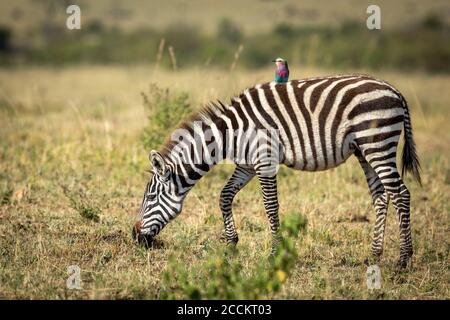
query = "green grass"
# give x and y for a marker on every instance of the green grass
(81, 128)
(221, 276)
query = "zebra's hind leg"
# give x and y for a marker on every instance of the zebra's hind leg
(240, 177)
(384, 164)
(401, 199)
(270, 198)
(380, 201)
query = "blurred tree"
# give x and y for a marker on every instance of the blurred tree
(95, 26)
(284, 30)
(432, 21)
(229, 32)
(5, 39)
(185, 37)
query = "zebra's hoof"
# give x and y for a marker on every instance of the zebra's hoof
(367, 261)
(230, 241)
(374, 259)
(403, 263)
(231, 250)
(405, 258)
(233, 242)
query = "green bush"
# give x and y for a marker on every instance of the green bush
(81, 201)
(5, 39)
(221, 276)
(6, 193)
(165, 110)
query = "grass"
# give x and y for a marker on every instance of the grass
(81, 128)
(221, 276)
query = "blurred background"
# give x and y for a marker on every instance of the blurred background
(413, 36)
(81, 109)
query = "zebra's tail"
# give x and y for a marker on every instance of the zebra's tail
(410, 159)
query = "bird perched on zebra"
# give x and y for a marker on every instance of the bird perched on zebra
(281, 71)
(311, 124)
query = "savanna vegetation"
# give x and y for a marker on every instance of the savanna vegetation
(80, 111)
(74, 165)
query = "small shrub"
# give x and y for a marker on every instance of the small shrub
(221, 277)
(5, 195)
(81, 202)
(165, 110)
(5, 39)
(433, 21)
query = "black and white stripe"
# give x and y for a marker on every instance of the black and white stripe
(320, 122)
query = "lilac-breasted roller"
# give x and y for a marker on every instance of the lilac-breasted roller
(282, 70)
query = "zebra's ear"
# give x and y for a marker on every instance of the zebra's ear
(158, 163)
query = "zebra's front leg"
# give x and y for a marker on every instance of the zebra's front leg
(270, 197)
(240, 177)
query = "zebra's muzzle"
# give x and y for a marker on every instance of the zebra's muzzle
(142, 239)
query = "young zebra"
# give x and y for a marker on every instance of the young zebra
(319, 123)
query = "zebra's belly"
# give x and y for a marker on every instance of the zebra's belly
(319, 159)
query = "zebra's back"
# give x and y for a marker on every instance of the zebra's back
(322, 120)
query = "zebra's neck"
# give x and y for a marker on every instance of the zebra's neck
(197, 145)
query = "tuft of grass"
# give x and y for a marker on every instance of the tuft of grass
(6, 195)
(81, 202)
(221, 276)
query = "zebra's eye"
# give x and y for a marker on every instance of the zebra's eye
(151, 196)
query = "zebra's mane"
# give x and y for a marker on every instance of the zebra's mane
(209, 113)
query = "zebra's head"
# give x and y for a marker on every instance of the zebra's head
(161, 202)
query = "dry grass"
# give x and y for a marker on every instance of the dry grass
(80, 128)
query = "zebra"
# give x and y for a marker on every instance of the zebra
(320, 123)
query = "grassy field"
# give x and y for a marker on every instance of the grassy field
(74, 133)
